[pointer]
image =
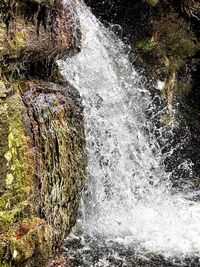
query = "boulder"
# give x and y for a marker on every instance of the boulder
(42, 145)
(35, 30)
(42, 158)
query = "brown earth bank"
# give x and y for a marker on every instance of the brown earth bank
(42, 144)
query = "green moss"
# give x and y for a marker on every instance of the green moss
(17, 180)
(61, 144)
(33, 237)
(153, 2)
(175, 41)
(7, 218)
(9, 199)
(38, 242)
(20, 41)
(146, 46)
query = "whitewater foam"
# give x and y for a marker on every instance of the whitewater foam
(128, 197)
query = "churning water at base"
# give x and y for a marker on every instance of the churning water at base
(128, 201)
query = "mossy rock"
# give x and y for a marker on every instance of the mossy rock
(43, 163)
(57, 120)
(30, 244)
(35, 29)
(42, 145)
(15, 153)
(33, 237)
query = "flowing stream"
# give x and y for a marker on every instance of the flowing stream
(128, 202)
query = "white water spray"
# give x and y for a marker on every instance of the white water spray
(128, 197)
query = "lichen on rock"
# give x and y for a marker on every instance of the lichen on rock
(42, 145)
(43, 169)
(58, 128)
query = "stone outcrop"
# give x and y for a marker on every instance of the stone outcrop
(42, 145)
(36, 29)
(58, 133)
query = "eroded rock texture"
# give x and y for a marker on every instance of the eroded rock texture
(58, 134)
(33, 29)
(42, 144)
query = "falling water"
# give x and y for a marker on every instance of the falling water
(128, 199)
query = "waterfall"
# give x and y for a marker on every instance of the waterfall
(128, 197)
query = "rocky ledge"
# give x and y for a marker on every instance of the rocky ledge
(42, 145)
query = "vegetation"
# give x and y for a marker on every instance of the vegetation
(152, 2)
(42, 141)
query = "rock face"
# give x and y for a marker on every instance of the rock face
(36, 29)
(42, 145)
(58, 134)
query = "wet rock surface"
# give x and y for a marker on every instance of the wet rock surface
(42, 146)
(99, 253)
(58, 133)
(36, 29)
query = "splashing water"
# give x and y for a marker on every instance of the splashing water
(127, 199)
